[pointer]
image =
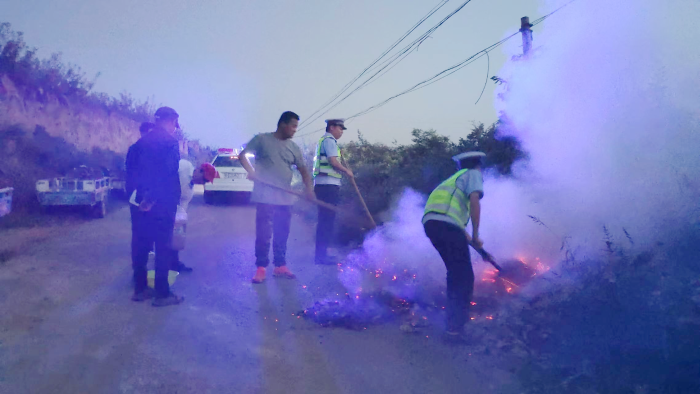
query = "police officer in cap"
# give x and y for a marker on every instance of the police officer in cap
(448, 211)
(328, 172)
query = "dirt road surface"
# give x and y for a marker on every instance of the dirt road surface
(67, 324)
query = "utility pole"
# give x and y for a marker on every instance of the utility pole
(527, 34)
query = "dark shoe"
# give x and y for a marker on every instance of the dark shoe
(143, 295)
(171, 299)
(182, 268)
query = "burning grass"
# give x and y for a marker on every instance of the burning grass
(398, 296)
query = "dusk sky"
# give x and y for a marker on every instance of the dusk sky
(230, 68)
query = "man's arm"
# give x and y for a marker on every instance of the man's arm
(246, 165)
(130, 182)
(475, 212)
(251, 147)
(339, 167)
(308, 182)
(330, 147)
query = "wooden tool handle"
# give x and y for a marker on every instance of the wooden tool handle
(486, 256)
(304, 196)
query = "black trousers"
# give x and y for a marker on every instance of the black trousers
(148, 228)
(326, 218)
(272, 221)
(451, 242)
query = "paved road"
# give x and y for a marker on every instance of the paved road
(67, 324)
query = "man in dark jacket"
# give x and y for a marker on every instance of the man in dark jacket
(132, 158)
(155, 181)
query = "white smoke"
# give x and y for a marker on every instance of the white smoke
(607, 108)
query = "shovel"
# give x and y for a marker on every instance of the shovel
(487, 257)
(315, 201)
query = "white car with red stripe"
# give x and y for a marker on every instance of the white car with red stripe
(231, 176)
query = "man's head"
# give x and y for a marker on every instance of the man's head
(287, 125)
(336, 127)
(167, 118)
(145, 128)
(469, 160)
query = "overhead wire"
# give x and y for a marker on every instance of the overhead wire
(400, 55)
(444, 73)
(453, 69)
(391, 47)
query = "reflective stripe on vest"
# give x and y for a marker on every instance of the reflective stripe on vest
(447, 199)
(321, 163)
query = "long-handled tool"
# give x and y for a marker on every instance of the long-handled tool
(486, 256)
(304, 196)
(362, 200)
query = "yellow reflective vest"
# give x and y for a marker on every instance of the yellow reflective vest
(447, 199)
(321, 163)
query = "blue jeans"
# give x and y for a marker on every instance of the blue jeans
(272, 221)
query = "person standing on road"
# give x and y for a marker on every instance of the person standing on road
(157, 187)
(275, 154)
(132, 157)
(328, 172)
(448, 211)
(186, 174)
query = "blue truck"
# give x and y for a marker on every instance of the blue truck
(82, 187)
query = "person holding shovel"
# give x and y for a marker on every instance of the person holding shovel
(275, 154)
(328, 172)
(448, 211)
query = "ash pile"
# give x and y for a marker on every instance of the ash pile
(364, 310)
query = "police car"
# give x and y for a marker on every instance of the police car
(232, 178)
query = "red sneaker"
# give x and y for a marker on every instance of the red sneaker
(283, 272)
(259, 275)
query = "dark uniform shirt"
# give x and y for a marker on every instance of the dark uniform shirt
(152, 170)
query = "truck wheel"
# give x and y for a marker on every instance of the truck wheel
(100, 209)
(208, 197)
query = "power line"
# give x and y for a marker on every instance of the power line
(400, 55)
(444, 73)
(397, 42)
(451, 70)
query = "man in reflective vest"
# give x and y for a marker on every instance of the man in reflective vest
(448, 210)
(328, 171)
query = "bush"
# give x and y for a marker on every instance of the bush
(40, 78)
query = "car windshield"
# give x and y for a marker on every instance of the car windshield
(230, 161)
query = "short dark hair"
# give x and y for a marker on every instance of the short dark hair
(287, 117)
(470, 163)
(146, 127)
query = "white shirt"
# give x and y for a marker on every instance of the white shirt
(185, 171)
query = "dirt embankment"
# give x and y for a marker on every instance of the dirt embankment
(86, 128)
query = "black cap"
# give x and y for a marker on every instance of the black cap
(165, 113)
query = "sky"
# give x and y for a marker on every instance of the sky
(230, 68)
